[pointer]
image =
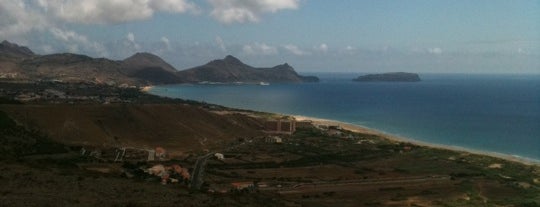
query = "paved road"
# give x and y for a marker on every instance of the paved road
(198, 171)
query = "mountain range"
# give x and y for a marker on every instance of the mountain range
(18, 63)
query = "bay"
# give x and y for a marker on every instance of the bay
(495, 113)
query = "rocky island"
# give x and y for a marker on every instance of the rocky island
(389, 77)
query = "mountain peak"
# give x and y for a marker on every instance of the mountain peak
(232, 60)
(9, 48)
(228, 60)
(285, 66)
(146, 60)
(143, 54)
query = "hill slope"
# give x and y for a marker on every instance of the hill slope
(10, 57)
(14, 50)
(151, 68)
(19, 63)
(177, 127)
(74, 68)
(230, 69)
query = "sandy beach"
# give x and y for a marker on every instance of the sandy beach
(366, 130)
(146, 89)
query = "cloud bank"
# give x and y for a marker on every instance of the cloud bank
(50, 20)
(295, 50)
(259, 49)
(241, 11)
(111, 11)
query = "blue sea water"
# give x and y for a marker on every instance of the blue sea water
(496, 113)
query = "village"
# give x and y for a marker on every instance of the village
(51, 92)
(211, 171)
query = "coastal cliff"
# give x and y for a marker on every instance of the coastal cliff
(389, 77)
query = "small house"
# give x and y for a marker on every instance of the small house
(161, 153)
(274, 139)
(242, 185)
(280, 126)
(151, 155)
(219, 156)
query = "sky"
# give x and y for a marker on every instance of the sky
(360, 36)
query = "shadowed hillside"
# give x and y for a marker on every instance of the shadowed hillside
(176, 127)
(230, 69)
(20, 64)
(149, 67)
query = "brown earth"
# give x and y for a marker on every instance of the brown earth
(176, 127)
(48, 184)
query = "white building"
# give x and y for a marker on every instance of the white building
(219, 156)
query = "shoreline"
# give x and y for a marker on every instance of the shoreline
(147, 89)
(362, 129)
(394, 138)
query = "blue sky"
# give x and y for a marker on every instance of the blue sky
(461, 36)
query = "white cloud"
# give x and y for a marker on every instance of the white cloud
(16, 18)
(75, 42)
(241, 11)
(349, 50)
(131, 37)
(111, 11)
(174, 6)
(522, 51)
(259, 49)
(221, 44)
(166, 42)
(295, 50)
(435, 50)
(322, 47)
(131, 43)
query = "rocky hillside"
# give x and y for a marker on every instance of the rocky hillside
(13, 50)
(151, 68)
(176, 127)
(230, 69)
(69, 67)
(19, 63)
(10, 57)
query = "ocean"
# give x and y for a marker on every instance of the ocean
(494, 113)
